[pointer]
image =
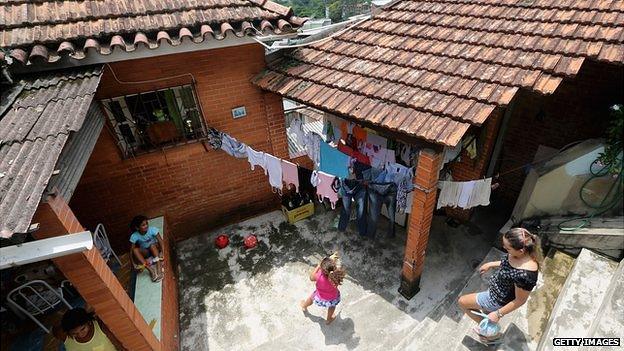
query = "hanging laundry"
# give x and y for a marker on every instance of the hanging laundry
(401, 176)
(328, 130)
(410, 202)
(471, 148)
(313, 148)
(375, 154)
(406, 153)
(389, 157)
(335, 123)
(346, 128)
(360, 157)
(465, 194)
(290, 174)
(214, 138)
(305, 187)
(256, 158)
(404, 188)
(274, 168)
(394, 172)
(375, 139)
(449, 194)
(379, 156)
(481, 193)
(451, 153)
(378, 195)
(359, 169)
(374, 175)
(359, 133)
(353, 191)
(325, 184)
(233, 147)
(296, 129)
(334, 162)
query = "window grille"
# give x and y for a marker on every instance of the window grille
(155, 119)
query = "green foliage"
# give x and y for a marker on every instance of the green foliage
(611, 158)
(339, 10)
(306, 8)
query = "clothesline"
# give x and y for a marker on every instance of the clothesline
(462, 194)
(332, 165)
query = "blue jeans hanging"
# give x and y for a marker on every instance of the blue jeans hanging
(353, 190)
(380, 194)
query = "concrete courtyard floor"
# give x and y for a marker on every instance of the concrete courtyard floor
(237, 299)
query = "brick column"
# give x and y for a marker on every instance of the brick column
(95, 282)
(426, 183)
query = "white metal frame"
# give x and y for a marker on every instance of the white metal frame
(100, 234)
(44, 249)
(20, 291)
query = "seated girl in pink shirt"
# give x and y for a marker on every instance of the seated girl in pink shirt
(327, 275)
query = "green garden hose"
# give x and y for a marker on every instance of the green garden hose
(606, 204)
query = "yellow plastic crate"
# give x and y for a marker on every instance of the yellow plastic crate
(298, 213)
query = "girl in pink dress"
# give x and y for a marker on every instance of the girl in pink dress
(328, 275)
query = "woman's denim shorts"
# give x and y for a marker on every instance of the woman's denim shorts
(486, 302)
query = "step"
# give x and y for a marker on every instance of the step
(579, 301)
(610, 323)
(443, 331)
(432, 319)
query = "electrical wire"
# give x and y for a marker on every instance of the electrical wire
(149, 80)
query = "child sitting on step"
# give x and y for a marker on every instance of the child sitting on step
(146, 246)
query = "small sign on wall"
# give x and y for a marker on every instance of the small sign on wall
(238, 112)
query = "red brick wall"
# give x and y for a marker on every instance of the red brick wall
(195, 189)
(425, 181)
(469, 169)
(576, 111)
(170, 314)
(95, 282)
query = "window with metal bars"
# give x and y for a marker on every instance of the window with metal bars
(152, 120)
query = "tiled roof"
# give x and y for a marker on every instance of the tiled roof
(34, 128)
(431, 69)
(48, 29)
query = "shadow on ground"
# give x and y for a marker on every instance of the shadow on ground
(248, 299)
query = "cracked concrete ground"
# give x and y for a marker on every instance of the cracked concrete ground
(234, 299)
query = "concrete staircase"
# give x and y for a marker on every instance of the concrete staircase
(610, 320)
(446, 328)
(591, 302)
(580, 297)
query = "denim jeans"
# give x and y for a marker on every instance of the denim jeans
(380, 194)
(353, 190)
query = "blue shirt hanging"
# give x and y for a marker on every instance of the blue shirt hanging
(334, 162)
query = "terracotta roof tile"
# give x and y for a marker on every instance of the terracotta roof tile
(427, 67)
(25, 24)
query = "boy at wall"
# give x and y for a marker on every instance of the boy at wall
(146, 246)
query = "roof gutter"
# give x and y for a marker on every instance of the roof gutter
(142, 51)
